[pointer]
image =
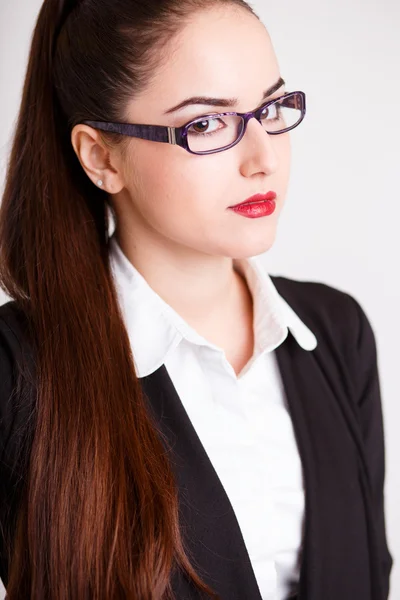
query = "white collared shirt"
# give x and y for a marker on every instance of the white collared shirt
(242, 420)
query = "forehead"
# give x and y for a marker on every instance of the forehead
(223, 51)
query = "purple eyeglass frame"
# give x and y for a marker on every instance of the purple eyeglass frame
(178, 135)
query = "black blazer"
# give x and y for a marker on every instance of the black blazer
(334, 399)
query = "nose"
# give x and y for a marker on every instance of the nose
(258, 150)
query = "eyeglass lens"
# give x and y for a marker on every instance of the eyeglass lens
(205, 135)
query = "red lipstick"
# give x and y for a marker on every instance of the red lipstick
(260, 205)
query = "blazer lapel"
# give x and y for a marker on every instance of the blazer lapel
(211, 531)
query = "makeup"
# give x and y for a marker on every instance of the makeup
(260, 205)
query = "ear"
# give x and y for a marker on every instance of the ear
(100, 161)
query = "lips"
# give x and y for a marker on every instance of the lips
(257, 199)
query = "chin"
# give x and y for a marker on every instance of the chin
(253, 247)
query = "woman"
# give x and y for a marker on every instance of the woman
(174, 422)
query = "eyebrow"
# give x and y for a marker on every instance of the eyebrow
(224, 102)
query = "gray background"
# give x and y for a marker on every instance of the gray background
(341, 221)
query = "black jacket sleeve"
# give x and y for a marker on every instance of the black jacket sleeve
(368, 395)
(7, 418)
(16, 422)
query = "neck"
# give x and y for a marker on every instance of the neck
(204, 290)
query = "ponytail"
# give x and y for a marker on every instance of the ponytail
(98, 518)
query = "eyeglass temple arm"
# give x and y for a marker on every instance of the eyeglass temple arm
(154, 133)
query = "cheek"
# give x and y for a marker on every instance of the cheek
(173, 185)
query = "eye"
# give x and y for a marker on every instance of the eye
(206, 126)
(271, 112)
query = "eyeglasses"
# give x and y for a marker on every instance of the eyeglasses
(218, 132)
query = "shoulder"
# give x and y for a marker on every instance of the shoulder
(316, 300)
(333, 315)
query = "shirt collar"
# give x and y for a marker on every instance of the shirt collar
(155, 329)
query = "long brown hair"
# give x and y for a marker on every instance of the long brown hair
(99, 517)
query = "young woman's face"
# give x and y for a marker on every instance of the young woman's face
(180, 199)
